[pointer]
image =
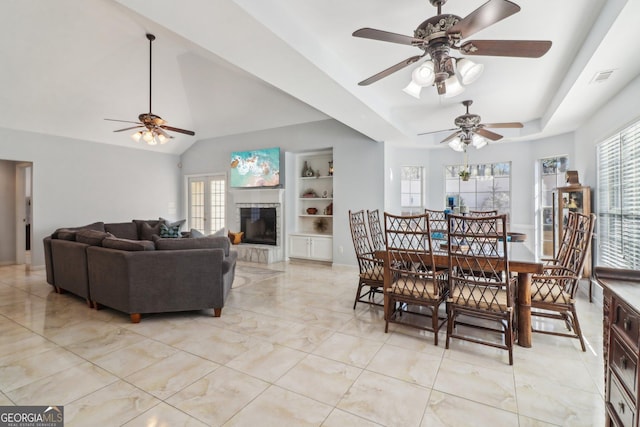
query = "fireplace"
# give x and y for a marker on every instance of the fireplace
(258, 225)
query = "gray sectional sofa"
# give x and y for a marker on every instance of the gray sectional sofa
(128, 267)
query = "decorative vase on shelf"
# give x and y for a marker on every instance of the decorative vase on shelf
(305, 169)
(331, 168)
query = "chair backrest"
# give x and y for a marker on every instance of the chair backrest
(438, 226)
(478, 262)
(565, 241)
(583, 227)
(409, 256)
(370, 267)
(377, 235)
(359, 234)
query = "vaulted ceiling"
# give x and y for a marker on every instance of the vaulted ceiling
(223, 67)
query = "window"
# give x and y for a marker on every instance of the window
(487, 188)
(551, 174)
(618, 204)
(411, 184)
(207, 203)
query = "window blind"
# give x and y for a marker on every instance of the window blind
(618, 205)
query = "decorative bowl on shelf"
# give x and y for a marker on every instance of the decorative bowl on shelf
(312, 211)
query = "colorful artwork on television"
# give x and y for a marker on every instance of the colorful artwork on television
(255, 168)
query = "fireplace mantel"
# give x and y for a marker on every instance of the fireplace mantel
(259, 195)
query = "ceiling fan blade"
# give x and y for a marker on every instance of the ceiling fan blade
(510, 125)
(123, 121)
(489, 13)
(488, 134)
(437, 131)
(186, 132)
(132, 127)
(386, 36)
(390, 70)
(517, 48)
(450, 137)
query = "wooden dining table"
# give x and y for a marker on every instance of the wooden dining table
(521, 261)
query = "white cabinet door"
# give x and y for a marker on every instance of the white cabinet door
(321, 248)
(298, 246)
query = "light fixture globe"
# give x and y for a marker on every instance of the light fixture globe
(453, 87)
(456, 144)
(478, 141)
(413, 89)
(424, 75)
(468, 70)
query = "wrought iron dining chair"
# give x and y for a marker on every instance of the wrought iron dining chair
(553, 292)
(371, 276)
(413, 287)
(377, 234)
(480, 286)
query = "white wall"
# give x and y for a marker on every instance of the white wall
(620, 111)
(358, 163)
(7, 212)
(78, 182)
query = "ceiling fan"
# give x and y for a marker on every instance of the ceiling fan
(154, 127)
(469, 130)
(440, 34)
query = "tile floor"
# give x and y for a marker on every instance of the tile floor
(289, 350)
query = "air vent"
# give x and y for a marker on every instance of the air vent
(602, 76)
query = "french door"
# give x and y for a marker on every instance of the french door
(207, 202)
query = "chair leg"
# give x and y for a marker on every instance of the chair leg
(387, 311)
(434, 323)
(576, 326)
(357, 295)
(450, 317)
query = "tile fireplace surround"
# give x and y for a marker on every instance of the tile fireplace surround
(262, 198)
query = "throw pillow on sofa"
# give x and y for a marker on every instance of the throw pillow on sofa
(170, 223)
(128, 245)
(171, 231)
(147, 231)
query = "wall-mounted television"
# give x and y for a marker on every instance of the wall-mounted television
(255, 168)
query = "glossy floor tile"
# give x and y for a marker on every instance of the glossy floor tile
(289, 349)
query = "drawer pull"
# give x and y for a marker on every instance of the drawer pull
(626, 324)
(621, 407)
(623, 361)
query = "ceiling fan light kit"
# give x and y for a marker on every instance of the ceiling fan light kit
(469, 131)
(440, 34)
(154, 128)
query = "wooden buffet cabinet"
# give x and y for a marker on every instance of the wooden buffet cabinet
(621, 335)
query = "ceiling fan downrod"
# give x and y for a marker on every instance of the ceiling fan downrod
(151, 38)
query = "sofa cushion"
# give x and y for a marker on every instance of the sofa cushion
(127, 244)
(146, 231)
(193, 243)
(69, 232)
(92, 237)
(123, 230)
(169, 231)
